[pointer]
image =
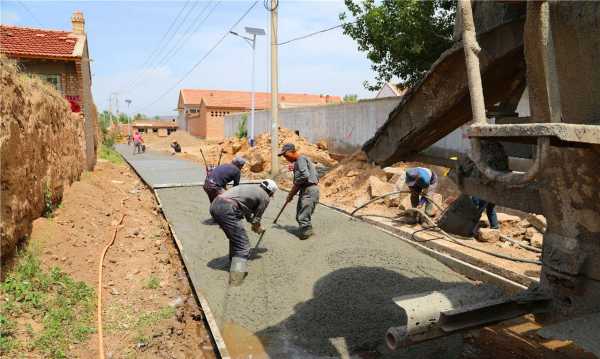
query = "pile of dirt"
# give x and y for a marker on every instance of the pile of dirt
(355, 181)
(42, 149)
(259, 157)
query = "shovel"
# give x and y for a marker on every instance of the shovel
(263, 233)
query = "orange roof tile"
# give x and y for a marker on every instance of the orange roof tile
(243, 99)
(26, 41)
(154, 123)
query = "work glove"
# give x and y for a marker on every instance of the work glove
(256, 228)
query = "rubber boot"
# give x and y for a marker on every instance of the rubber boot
(238, 270)
(306, 233)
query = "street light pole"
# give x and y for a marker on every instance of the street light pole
(274, 91)
(129, 117)
(251, 134)
(252, 42)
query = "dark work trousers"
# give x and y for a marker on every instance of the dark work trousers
(308, 197)
(490, 210)
(229, 217)
(212, 190)
(137, 147)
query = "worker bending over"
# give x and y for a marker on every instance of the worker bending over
(306, 182)
(419, 180)
(216, 180)
(176, 147)
(229, 208)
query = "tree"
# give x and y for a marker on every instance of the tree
(402, 38)
(123, 118)
(351, 98)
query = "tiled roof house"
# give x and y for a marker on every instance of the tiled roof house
(62, 59)
(201, 112)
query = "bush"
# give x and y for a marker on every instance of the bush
(242, 130)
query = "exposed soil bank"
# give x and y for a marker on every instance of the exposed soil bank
(41, 150)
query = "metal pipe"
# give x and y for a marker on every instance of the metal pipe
(423, 311)
(472, 49)
(508, 177)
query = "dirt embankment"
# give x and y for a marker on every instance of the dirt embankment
(42, 150)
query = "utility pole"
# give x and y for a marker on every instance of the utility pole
(129, 116)
(110, 110)
(274, 91)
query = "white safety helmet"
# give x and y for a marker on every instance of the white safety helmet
(270, 186)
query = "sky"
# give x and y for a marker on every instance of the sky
(128, 56)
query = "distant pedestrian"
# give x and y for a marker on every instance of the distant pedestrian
(229, 208)
(216, 180)
(306, 182)
(419, 181)
(138, 143)
(176, 147)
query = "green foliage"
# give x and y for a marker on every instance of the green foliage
(242, 130)
(350, 98)
(49, 205)
(152, 283)
(402, 38)
(123, 118)
(63, 305)
(110, 154)
(148, 319)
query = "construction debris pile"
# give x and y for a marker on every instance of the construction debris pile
(355, 181)
(529, 230)
(259, 157)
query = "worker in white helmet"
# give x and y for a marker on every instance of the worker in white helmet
(229, 208)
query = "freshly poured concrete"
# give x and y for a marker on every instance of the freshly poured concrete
(330, 296)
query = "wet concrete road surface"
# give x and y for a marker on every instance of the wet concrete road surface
(327, 297)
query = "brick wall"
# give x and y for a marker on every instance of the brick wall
(197, 124)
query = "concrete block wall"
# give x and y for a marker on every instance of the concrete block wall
(345, 127)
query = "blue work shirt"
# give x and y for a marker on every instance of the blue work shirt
(424, 177)
(224, 174)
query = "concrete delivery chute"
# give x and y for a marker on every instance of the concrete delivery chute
(557, 42)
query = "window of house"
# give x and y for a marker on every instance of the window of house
(52, 79)
(193, 110)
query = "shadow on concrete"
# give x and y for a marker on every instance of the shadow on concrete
(293, 230)
(349, 314)
(220, 263)
(209, 222)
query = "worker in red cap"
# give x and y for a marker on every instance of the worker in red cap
(306, 182)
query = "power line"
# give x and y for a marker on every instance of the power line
(129, 87)
(160, 43)
(30, 13)
(314, 33)
(189, 32)
(202, 58)
(166, 57)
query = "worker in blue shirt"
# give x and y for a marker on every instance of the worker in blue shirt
(419, 180)
(216, 180)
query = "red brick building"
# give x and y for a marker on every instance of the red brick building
(62, 59)
(202, 112)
